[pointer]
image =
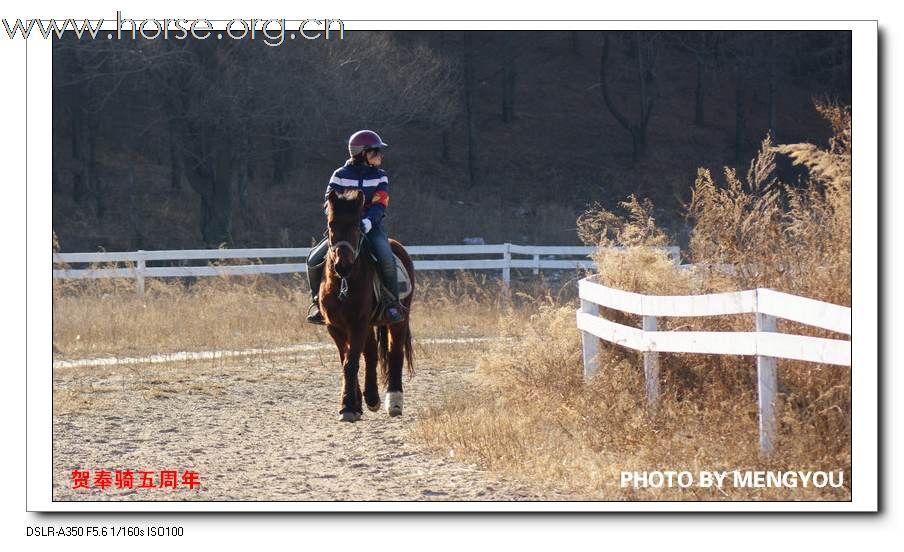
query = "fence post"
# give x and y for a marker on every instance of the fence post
(766, 385)
(589, 342)
(651, 366)
(139, 274)
(507, 270)
(536, 263)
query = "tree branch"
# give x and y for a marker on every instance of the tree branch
(604, 86)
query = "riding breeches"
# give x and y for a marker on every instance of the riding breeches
(316, 260)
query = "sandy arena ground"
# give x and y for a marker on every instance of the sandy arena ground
(262, 427)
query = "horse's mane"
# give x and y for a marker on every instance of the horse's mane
(343, 202)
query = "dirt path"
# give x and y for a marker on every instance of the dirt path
(260, 428)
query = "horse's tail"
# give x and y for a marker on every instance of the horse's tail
(409, 351)
(383, 351)
(383, 332)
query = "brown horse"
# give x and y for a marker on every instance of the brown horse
(347, 302)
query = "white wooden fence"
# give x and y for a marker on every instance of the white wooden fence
(765, 342)
(535, 257)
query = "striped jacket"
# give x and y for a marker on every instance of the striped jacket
(372, 181)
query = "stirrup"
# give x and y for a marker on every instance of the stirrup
(315, 317)
(400, 309)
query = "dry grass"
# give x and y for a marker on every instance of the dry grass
(536, 418)
(105, 317)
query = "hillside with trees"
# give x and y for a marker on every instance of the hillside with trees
(508, 136)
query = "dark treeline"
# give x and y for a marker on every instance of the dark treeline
(505, 135)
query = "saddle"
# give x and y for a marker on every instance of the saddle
(381, 292)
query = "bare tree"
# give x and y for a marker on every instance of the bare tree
(90, 75)
(702, 45)
(177, 171)
(740, 117)
(371, 82)
(74, 95)
(643, 45)
(740, 57)
(771, 55)
(224, 107)
(197, 96)
(445, 138)
(469, 83)
(508, 78)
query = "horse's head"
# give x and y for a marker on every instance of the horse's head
(343, 215)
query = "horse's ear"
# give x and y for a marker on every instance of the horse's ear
(359, 200)
(331, 196)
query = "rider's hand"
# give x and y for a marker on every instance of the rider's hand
(366, 225)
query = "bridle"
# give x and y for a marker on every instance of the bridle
(334, 247)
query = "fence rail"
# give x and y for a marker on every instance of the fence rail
(764, 341)
(534, 257)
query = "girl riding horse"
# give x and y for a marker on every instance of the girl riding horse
(362, 171)
(346, 301)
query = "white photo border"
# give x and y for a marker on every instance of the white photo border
(865, 346)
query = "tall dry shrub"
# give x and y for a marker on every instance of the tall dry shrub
(542, 421)
(630, 251)
(794, 239)
(630, 256)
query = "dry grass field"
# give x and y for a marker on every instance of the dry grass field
(105, 317)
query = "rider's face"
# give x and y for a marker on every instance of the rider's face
(374, 157)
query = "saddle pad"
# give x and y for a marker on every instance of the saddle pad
(404, 281)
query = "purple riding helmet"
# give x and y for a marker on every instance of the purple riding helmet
(364, 140)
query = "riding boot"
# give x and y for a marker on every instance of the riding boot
(314, 314)
(395, 311)
(379, 243)
(315, 275)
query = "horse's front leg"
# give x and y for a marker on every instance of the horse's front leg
(371, 392)
(351, 390)
(341, 338)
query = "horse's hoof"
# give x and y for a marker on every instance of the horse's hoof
(375, 407)
(349, 417)
(394, 403)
